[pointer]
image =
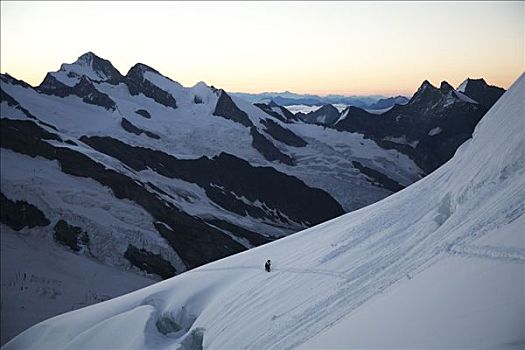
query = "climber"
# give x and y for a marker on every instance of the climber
(267, 265)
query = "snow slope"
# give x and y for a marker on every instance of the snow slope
(437, 234)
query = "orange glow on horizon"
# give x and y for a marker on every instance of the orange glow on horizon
(345, 48)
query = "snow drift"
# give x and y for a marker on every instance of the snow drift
(466, 217)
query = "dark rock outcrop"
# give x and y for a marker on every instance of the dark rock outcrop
(268, 110)
(149, 262)
(143, 113)
(137, 84)
(89, 94)
(282, 134)
(70, 236)
(378, 178)
(131, 128)
(226, 108)
(268, 149)
(20, 214)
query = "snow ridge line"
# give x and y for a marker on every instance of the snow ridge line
(489, 252)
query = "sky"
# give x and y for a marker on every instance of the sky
(349, 48)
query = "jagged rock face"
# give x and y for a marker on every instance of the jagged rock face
(226, 108)
(137, 84)
(434, 123)
(326, 115)
(480, 91)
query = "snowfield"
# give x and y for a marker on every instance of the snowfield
(438, 264)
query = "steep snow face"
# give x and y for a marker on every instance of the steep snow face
(467, 213)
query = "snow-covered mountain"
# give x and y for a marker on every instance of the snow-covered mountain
(439, 264)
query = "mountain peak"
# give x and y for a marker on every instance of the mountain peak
(445, 87)
(88, 57)
(481, 91)
(89, 65)
(425, 91)
(141, 68)
(426, 84)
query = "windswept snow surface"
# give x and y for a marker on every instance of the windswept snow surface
(460, 227)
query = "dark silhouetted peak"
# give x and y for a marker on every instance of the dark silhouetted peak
(426, 92)
(445, 87)
(426, 85)
(478, 90)
(476, 83)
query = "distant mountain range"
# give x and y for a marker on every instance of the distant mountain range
(288, 98)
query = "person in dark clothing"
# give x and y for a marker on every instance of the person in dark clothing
(267, 265)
